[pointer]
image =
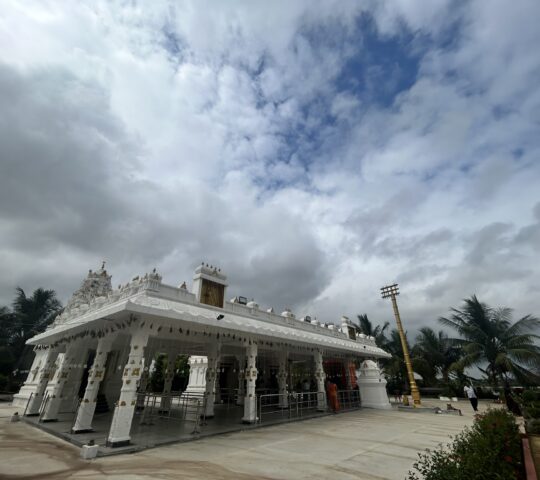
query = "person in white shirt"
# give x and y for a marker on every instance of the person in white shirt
(471, 395)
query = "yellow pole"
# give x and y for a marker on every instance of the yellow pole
(414, 389)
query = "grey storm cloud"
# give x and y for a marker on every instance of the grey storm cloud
(232, 140)
(68, 181)
(58, 142)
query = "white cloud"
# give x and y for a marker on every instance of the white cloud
(167, 134)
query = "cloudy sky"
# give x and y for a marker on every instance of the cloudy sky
(315, 151)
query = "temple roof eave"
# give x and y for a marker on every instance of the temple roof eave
(143, 304)
(205, 317)
(78, 323)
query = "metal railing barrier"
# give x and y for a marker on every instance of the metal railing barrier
(289, 406)
(349, 400)
(187, 407)
(286, 406)
(28, 403)
(79, 401)
(43, 406)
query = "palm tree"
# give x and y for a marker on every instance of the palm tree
(435, 354)
(37, 311)
(6, 354)
(489, 337)
(31, 315)
(394, 367)
(6, 322)
(366, 327)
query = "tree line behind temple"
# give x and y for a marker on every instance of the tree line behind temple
(484, 337)
(503, 351)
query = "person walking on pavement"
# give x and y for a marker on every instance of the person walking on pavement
(471, 395)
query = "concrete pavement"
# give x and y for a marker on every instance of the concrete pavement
(365, 444)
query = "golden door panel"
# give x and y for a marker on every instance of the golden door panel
(212, 293)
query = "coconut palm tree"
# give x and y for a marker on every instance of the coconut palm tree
(395, 368)
(488, 337)
(6, 354)
(366, 327)
(435, 354)
(6, 322)
(31, 315)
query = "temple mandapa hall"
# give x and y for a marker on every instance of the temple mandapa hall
(248, 366)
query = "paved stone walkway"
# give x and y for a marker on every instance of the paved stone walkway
(365, 445)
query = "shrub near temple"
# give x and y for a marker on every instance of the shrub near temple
(490, 449)
(530, 405)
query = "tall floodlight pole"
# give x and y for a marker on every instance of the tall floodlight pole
(392, 291)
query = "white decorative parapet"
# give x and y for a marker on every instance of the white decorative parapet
(372, 386)
(96, 292)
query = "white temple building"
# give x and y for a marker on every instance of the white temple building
(98, 353)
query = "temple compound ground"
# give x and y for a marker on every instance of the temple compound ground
(364, 444)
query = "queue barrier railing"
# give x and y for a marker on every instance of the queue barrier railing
(182, 407)
(286, 406)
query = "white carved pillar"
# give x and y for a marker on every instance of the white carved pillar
(282, 380)
(125, 407)
(167, 384)
(250, 401)
(85, 413)
(319, 377)
(347, 369)
(30, 385)
(57, 384)
(211, 375)
(241, 380)
(70, 393)
(44, 374)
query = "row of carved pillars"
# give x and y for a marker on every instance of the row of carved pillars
(56, 383)
(119, 433)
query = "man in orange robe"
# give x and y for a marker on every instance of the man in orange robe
(331, 391)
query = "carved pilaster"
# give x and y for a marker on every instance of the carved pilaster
(241, 379)
(282, 380)
(44, 375)
(320, 377)
(96, 374)
(125, 407)
(57, 384)
(211, 375)
(250, 400)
